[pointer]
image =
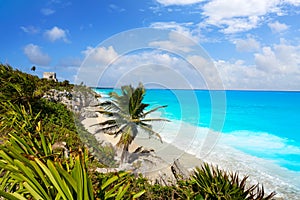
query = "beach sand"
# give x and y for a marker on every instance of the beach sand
(91, 125)
(167, 153)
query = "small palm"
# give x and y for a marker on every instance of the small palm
(126, 115)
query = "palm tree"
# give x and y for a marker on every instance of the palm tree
(127, 115)
(33, 68)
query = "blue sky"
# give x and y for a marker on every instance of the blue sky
(253, 44)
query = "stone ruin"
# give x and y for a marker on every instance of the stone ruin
(50, 76)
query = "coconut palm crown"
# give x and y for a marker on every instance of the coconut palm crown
(127, 114)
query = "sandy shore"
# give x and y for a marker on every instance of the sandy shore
(165, 152)
(89, 123)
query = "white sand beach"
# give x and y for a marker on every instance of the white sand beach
(166, 152)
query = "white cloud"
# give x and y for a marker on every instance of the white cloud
(156, 68)
(208, 72)
(101, 55)
(267, 60)
(247, 45)
(239, 15)
(35, 55)
(275, 68)
(236, 75)
(178, 2)
(235, 25)
(185, 29)
(97, 59)
(103, 66)
(30, 29)
(176, 42)
(47, 11)
(234, 16)
(56, 34)
(182, 28)
(278, 27)
(282, 58)
(227, 9)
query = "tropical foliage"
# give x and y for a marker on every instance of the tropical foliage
(27, 175)
(16, 86)
(30, 168)
(128, 114)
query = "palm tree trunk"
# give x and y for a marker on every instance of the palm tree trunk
(125, 154)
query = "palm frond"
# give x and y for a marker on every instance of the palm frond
(145, 124)
(120, 130)
(110, 130)
(115, 114)
(110, 105)
(105, 112)
(154, 120)
(153, 110)
(106, 122)
(137, 110)
(151, 132)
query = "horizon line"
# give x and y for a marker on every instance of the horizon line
(203, 89)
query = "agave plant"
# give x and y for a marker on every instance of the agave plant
(214, 183)
(31, 170)
(127, 113)
(28, 174)
(116, 185)
(17, 118)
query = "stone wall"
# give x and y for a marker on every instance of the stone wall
(50, 76)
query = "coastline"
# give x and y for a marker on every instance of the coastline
(166, 153)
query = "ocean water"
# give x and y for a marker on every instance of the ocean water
(258, 130)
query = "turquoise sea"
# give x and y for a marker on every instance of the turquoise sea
(262, 124)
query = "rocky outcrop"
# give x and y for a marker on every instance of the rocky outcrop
(79, 100)
(54, 95)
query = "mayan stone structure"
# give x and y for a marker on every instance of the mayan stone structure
(50, 76)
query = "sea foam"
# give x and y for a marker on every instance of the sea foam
(228, 151)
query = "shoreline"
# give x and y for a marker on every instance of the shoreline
(205, 89)
(166, 153)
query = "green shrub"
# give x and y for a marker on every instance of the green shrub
(214, 183)
(15, 86)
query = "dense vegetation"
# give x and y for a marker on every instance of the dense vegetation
(35, 162)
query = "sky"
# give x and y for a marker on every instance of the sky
(214, 44)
